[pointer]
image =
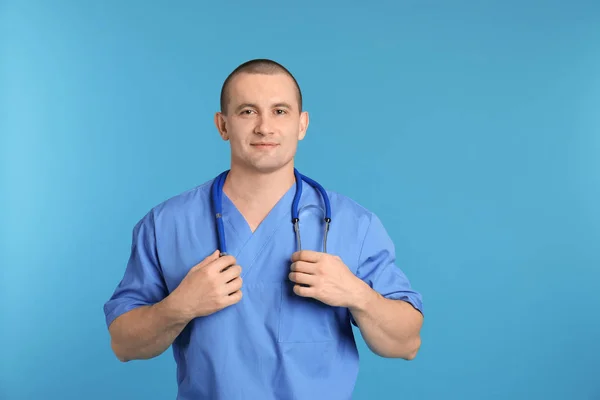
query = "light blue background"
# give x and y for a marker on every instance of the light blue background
(471, 128)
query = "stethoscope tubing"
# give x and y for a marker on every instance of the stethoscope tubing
(216, 196)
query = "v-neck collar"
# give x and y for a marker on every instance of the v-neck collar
(246, 245)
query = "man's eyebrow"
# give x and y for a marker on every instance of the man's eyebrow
(276, 105)
(284, 105)
(244, 105)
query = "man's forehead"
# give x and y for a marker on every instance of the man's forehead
(256, 78)
(253, 87)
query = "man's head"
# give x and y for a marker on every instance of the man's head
(261, 115)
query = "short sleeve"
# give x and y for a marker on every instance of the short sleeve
(142, 283)
(377, 267)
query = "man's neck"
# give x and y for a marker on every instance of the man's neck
(255, 194)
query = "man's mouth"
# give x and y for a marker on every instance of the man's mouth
(264, 145)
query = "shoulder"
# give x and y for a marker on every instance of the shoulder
(345, 206)
(356, 217)
(350, 214)
(191, 198)
(357, 229)
(181, 205)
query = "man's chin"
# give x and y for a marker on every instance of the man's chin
(269, 167)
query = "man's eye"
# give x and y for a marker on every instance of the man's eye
(247, 112)
(280, 112)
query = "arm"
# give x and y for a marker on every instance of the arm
(386, 309)
(143, 318)
(140, 315)
(147, 331)
(390, 328)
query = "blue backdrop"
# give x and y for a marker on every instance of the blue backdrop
(471, 128)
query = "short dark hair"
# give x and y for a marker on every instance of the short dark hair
(257, 66)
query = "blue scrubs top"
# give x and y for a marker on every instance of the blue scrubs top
(273, 344)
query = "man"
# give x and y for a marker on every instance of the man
(248, 313)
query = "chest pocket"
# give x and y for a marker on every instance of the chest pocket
(304, 319)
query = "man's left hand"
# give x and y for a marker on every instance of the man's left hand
(326, 278)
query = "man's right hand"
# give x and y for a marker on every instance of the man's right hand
(209, 286)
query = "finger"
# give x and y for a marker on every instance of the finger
(230, 299)
(221, 263)
(234, 297)
(210, 258)
(307, 255)
(234, 285)
(304, 291)
(303, 279)
(304, 267)
(231, 273)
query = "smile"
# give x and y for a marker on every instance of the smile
(264, 145)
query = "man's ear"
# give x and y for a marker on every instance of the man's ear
(303, 125)
(221, 124)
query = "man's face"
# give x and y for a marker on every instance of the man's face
(262, 121)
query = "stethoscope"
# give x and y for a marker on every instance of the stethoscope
(216, 198)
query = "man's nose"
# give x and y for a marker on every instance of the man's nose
(264, 125)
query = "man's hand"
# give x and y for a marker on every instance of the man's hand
(326, 278)
(148, 331)
(208, 287)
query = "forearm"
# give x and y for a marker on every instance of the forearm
(147, 331)
(391, 328)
